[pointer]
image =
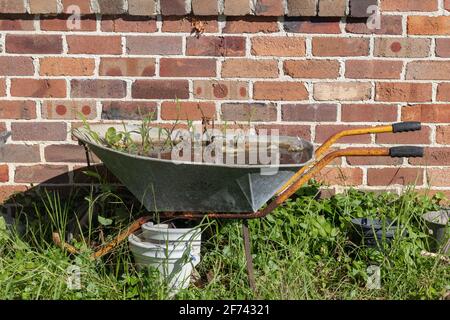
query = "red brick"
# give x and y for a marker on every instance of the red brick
(41, 173)
(342, 91)
(17, 109)
(64, 153)
(409, 5)
(7, 192)
(249, 112)
(269, 8)
(428, 70)
(443, 134)
(236, 7)
(277, 90)
(173, 7)
(309, 112)
(33, 44)
(301, 131)
(443, 48)
(443, 93)
(215, 46)
(220, 90)
(38, 131)
(415, 137)
(323, 132)
(68, 109)
(63, 24)
(402, 47)
(250, 25)
(340, 176)
(12, 6)
(185, 67)
(393, 176)
(2, 88)
(19, 153)
(94, 44)
(403, 92)
(389, 25)
(369, 113)
(332, 8)
(433, 157)
(312, 69)
(15, 23)
(38, 88)
(187, 110)
(374, 161)
(373, 69)
(205, 7)
(424, 25)
(187, 24)
(428, 113)
(313, 25)
(119, 110)
(162, 45)
(84, 6)
(16, 66)
(4, 173)
(340, 47)
(247, 68)
(130, 67)
(279, 46)
(129, 24)
(66, 67)
(91, 88)
(447, 5)
(160, 89)
(438, 177)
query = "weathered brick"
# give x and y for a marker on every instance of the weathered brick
(428, 70)
(313, 69)
(374, 161)
(119, 110)
(68, 109)
(361, 8)
(94, 44)
(340, 176)
(402, 47)
(335, 47)
(144, 45)
(309, 112)
(373, 69)
(443, 92)
(428, 113)
(130, 67)
(64, 153)
(111, 6)
(63, 24)
(205, 7)
(250, 25)
(279, 46)
(187, 24)
(2, 87)
(12, 6)
(394, 176)
(369, 112)
(19, 153)
(4, 173)
(187, 67)
(424, 25)
(160, 89)
(173, 7)
(342, 91)
(142, 7)
(443, 134)
(236, 7)
(215, 46)
(41, 174)
(8, 191)
(82, 6)
(324, 131)
(187, 110)
(403, 92)
(433, 157)
(404, 138)
(38, 131)
(409, 5)
(17, 110)
(220, 90)
(443, 48)
(269, 8)
(38, 88)
(249, 112)
(16, 66)
(43, 6)
(16, 23)
(33, 44)
(66, 66)
(438, 177)
(91, 88)
(277, 90)
(313, 25)
(332, 8)
(129, 24)
(447, 5)
(302, 8)
(389, 25)
(290, 130)
(247, 68)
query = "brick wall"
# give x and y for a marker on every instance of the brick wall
(308, 67)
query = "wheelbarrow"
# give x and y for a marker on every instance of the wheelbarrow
(195, 190)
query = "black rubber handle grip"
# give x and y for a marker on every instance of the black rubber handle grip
(406, 152)
(406, 126)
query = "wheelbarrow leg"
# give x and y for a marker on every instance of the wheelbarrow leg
(248, 255)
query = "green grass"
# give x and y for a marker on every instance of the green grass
(301, 251)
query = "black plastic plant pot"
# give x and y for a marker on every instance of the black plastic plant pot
(373, 232)
(439, 229)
